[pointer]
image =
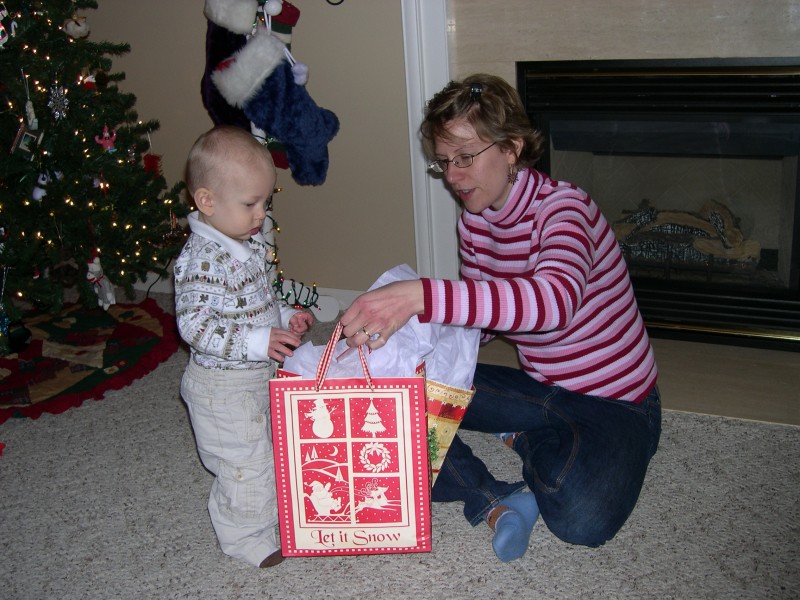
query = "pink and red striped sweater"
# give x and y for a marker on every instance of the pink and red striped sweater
(547, 273)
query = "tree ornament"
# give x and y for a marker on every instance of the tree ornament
(100, 183)
(27, 142)
(89, 82)
(39, 190)
(100, 283)
(30, 114)
(58, 102)
(76, 27)
(152, 162)
(107, 140)
(8, 27)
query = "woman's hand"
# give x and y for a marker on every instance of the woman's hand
(374, 316)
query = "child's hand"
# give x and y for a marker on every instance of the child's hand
(300, 322)
(281, 343)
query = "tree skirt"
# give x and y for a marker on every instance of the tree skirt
(81, 353)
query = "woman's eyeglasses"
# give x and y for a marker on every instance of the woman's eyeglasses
(462, 161)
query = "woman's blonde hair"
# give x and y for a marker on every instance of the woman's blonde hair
(492, 107)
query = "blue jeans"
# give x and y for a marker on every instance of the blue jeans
(584, 457)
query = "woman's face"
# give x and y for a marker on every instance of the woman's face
(484, 183)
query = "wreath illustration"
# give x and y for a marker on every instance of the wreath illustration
(374, 448)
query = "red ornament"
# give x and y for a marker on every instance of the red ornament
(152, 164)
(279, 158)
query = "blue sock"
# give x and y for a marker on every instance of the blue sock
(524, 503)
(512, 530)
(510, 539)
(507, 438)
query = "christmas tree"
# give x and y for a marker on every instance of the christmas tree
(79, 187)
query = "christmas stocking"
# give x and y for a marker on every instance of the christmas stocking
(237, 16)
(220, 44)
(260, 80)
(230, 23)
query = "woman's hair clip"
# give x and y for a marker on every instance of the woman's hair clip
(475, 90)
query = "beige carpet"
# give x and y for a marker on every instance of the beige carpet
(109, 501)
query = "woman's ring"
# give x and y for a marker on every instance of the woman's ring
(364, 331)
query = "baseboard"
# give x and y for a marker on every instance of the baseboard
(156, 284)
(345, 297)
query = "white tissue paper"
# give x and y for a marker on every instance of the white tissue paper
(450, 353)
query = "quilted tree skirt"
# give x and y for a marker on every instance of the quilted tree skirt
(81, 353)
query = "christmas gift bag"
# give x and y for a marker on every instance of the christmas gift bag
(445, 355)
(351, 462)
(445, 406)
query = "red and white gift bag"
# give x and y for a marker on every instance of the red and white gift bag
(351, 461)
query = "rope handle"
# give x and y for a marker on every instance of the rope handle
(327, 358)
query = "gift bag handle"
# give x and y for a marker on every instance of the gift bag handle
(327, 358)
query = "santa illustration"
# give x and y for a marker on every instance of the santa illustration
(320, 496)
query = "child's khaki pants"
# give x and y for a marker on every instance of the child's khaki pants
(229, 410)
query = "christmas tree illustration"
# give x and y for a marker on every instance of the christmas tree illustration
(372, 422)
(82, 197)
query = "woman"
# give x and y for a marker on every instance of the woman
(541, 267)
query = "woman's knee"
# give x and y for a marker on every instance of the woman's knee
(586, 529)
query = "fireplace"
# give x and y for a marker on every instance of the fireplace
(695, 165)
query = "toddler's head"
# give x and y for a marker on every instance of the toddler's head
(231, 178)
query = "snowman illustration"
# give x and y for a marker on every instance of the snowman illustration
(321, 416)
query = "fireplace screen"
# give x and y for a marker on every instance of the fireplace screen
(695, 166)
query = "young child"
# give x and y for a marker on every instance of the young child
(230, 318)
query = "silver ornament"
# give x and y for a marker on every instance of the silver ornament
(58, 102)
